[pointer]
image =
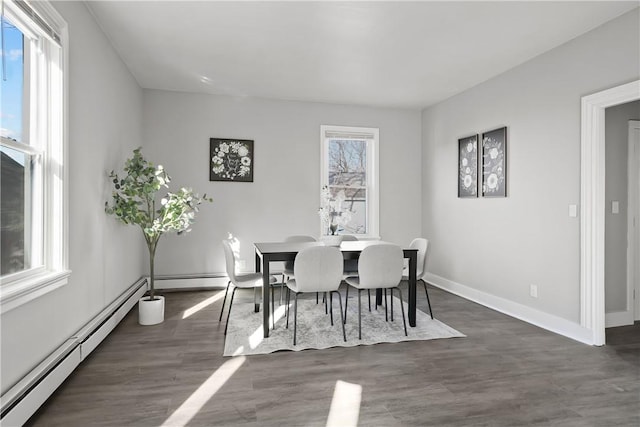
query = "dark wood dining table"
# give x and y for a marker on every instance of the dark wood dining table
(269, 252)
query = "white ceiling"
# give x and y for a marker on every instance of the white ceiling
(388, 54)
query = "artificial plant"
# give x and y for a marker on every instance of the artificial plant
(134, 201)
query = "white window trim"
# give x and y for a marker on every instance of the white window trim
(373, 171)
(22, 287)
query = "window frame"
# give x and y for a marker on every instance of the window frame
(373, 169)
(45, 117)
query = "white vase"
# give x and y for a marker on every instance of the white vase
(151, 312)
(332, 240)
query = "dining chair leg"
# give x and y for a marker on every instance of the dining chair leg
(344, 333)
(256, 304)
(391, 301)
(295, 317)
(233, 293)
(346, 300)
(427, 294)
(317, 298)
(331, 307)
(224, 300)
(359, 316)
(369, 295)
(386, 315)
(324, 300)
(404, 321)
(288, 302)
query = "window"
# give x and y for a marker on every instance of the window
(350, 165)
(33, 234)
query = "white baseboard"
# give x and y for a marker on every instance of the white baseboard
(618, 318)
(189, 282)
(519, 311)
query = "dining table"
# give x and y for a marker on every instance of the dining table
(268, 252)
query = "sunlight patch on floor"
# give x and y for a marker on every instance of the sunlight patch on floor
(201, 396)
(345, 405)
(196, 308)
(257, 336)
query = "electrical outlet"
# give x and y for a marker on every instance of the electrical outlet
(533, 291)
(242, 264)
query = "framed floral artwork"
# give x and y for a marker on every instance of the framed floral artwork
(230, 160)
(494, 163)
(468, 166)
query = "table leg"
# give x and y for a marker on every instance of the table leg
(413, 261)
(256, 304)
(265, 295)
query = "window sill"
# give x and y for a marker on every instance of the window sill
(20, 292)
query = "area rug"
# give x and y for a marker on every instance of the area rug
(244, 335)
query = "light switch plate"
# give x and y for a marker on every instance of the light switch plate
(615, 207)
(573, 211)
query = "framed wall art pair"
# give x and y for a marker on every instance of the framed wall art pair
(483, 170)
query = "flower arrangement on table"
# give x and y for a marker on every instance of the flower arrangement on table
(332, 214)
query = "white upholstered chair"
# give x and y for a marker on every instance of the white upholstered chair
(316, 269)
(422, 245)
(379, 267)
(287, 273)
(243, 281)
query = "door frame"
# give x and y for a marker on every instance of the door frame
(592, 204)
(633, 216)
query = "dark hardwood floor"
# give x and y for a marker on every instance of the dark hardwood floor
(505, 373)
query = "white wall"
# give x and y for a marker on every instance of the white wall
(617, 146)
(284, 197)
(105, 111)
(502, 246)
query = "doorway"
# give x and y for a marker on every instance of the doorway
(592, 204)
(620, 213)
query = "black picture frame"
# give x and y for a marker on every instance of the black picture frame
(494, 163)
(231, 160)
(468, 166)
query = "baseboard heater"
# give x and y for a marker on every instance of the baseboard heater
(20, 402)
(183, 282)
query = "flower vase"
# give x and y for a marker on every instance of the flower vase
(332, 240)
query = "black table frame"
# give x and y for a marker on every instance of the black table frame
(350, 250)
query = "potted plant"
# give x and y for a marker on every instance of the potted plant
(135, 201)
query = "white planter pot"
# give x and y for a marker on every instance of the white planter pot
(334, 240)
(151, 312)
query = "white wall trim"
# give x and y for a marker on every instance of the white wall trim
(619, 318)
(633, 230)
(522, 312)
(592, 204)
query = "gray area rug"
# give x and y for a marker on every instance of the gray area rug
(244, 336)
